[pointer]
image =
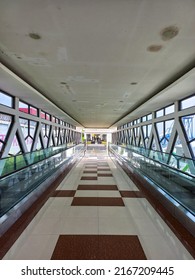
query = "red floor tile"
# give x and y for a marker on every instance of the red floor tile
(98, 187)
(98, 247)
(104, 175)
(63, 193)
(103, 169)
(97, 201)
(132, 194)
(88, 178)
(89, 171)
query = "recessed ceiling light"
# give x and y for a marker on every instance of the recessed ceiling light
(134, 83)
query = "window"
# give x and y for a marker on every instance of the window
(28, 130)
(188, 102)
(33, 111)
(160, 113)
(164, 130)
(47, 117)
(169, 109)
(42, 114)
(6, 100)
(189, 125)
(5, 122)
(23, 107)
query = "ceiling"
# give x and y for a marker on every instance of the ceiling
(97, 60)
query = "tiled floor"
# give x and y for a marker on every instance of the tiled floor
(97, 212)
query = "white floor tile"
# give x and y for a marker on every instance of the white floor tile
(36, 247)
(86, 193)
(48, 226)
(83, 212)
(108, 194)
(80, 225)
(146, 226)
(156, 248)
(122, 226)
(113, 212)
(106, 181)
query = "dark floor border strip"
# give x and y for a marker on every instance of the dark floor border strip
(137, 194)
(13, 233)
(105, 175)
(97, 201)
(103, 169)
(98, 187)
(89, 178)
(63, 193)
(90, 171)
(179, 230)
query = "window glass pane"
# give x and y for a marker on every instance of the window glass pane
(168, 128)
(149, 129)
(149, 117)
(15, 147)
(160, 129)
(153, 146)
(23, 107)
(144, 131)
(178, 148)
(47, 116)
(29, 142)
(5, 122)
(189, 102)
(33, 126)
(24, 126)
(192, 144)
(160, 113)
(6, 99)
(42, 115)
(189, 126)
(169, 110)
(33, 111)
(1, 145)
(144, 119)
(39, 144)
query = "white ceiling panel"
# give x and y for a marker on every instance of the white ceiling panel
(96, 60)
